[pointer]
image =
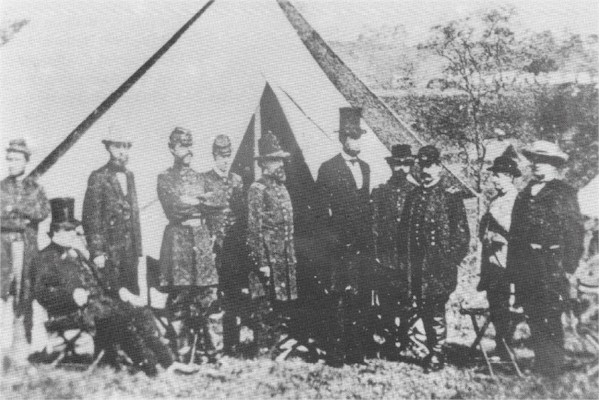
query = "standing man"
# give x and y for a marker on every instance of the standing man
(388, 203)
(493, 233)
(546, 242)
(224, 226)
(24, 206)
(187, 260)
(345, 212)
(111, 218)
(271, 239)
(434, 237)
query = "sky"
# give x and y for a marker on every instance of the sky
(346, 19)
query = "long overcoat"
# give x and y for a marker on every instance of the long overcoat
(552, 220)
(434, 239)
(344, 212)
(111, 220)
(186, 254)
(271, 238)
(388, 203)
(24, 206)
(226, 225)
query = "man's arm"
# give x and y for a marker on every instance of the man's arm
(174, 205)
(92, 216)
(572, 231)
(459, 229)
(255, 229)
(48, 289)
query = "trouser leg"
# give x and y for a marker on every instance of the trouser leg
(212, 320)
(498, 299)
(434, 322)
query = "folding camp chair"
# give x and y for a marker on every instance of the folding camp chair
(64, 324)
(175, 313)
(585, 309)
(484, 313)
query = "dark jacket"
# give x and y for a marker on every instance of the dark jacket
(433, 239)
(345, 215)
(550, 219)
(24, 206)
(111, 221)
(59, 272)
(186, 253)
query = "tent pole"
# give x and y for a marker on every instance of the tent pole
(380, 117)
(81, 129)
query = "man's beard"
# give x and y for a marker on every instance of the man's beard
(278, 175)
(352, 152)
(121, 161)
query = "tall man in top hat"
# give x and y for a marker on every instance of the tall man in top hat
(271, 238)
(345, 212)
(187, 260)
(68, 283)
(111, 217)
(225, 227)
(434, 238)
(545, 244)
(24, 206)
(388, 203)
(493, 233)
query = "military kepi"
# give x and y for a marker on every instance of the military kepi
(350, 123)
(269, 148)
(181, 136)
(222, 146)
(63, 213)
(428, 155)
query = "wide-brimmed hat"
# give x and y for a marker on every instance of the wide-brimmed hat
(18, 145)
(63, 213)
(269, 148)
(401, 154)
(504, 164)
(116, 135)
(544, 151)
(428, 155)
(350, 122)
(181, 136)
(222, 146)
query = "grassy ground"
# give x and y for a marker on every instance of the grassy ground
(294, 379)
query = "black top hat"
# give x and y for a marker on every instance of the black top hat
(428, 155)
(269, 147)
(222, 146)
(504, 164)
(401, 154)
(350, 122)
(63, 212)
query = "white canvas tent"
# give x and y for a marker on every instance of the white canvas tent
(71, 56)
(588, 198)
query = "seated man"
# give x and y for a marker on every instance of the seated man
(67, 281)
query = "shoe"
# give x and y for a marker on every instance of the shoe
(434, 363)
(184, 368)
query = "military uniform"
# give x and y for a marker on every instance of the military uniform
(225, 227)
(24, 206)
(188, 270)
(434, 238)
(111, 221)
(61, 270)
(546, 242)
(388, 203)
(493, 233)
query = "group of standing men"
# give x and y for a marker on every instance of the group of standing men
(400, 245)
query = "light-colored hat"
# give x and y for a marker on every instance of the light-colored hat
(544, 150)
(18, 145)
(115, 135)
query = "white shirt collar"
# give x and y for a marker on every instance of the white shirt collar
(347, 157)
